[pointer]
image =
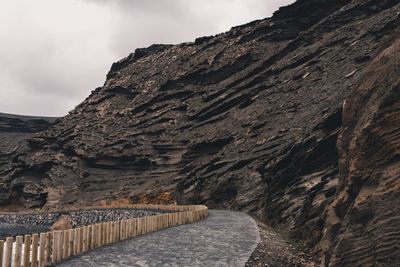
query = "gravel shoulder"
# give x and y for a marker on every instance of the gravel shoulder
(21, 224)
(275, 251)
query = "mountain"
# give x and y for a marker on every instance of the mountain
(24, 124)
(293, 119)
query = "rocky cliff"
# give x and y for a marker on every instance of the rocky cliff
(290, 118)
(362, 223)
(15, 131)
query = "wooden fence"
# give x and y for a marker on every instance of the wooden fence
(48, 248)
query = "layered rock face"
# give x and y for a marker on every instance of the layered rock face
(363, 221)
(248, 120)
(24, 124)
(15, 130)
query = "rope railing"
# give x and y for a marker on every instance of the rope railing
(49, 248)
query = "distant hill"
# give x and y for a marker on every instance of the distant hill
(28, 118)
(24, 124)
(15, 131)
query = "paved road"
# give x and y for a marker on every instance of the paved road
(225, 238)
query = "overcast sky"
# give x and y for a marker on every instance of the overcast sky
(54, 52)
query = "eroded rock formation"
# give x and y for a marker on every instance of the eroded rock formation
(363, 221)
(249, 120)
(15, 131)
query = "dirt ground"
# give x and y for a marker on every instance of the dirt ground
(275, 251)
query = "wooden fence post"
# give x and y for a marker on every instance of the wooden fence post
(8, 252)
(113, 231)
(42, 249)
(88, 230)
(35, 239)
(129, 228)
(18, 251)
(108, 230)
(80, 240)
(84, 238)
(122, 230)
(71, 243)
(99, 234)
(115, 239)
(112, 228)
(125, 229)
(48, 249)
(91, 230)
(1, 252)
(109, 234)
(105, 239)
(118, 231)
(95, 235)
(76, 241)
(54, 248)
(134, 227)
(60, 245)
(66, 244)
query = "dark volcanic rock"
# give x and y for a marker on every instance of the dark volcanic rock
(24, 124)
(15, 131)
(363, 221)
(248, 119)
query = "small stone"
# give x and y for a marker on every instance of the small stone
(350, 74)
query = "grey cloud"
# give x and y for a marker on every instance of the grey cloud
(54, 53)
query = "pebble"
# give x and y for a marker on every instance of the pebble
(18, 224)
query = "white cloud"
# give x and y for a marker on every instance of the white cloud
(53, 53)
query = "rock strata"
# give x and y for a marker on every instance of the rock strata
(24, 124)
(15, 131)
(362, 223)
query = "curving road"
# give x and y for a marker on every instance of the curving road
(225, 238)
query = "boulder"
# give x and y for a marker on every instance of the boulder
(64, 222)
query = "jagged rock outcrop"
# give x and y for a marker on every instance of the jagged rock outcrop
(15, 131)
(248, 119)
(363, 221)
